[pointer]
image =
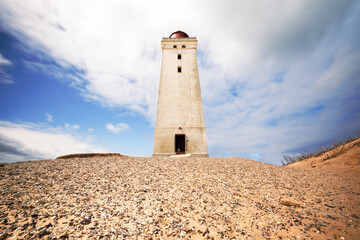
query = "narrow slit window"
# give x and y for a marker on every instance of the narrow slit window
(174, 46)
(179, 69)
(183, 46)
(179, 56)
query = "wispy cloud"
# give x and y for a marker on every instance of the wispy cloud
(71, 126)
(117, 127)
(113, 62)
(5, 77)
(61, 71)
(75, 126)
(49, 117)
(4, 61)
(24, 141)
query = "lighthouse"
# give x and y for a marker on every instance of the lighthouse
(180, 126)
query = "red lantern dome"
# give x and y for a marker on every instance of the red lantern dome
(179, 34)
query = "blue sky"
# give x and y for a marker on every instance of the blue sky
(277, 77)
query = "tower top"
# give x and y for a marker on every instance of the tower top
(179, 34)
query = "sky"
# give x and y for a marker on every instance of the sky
(277, 77)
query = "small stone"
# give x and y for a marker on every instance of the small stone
(64, 236)
(43, 233)
(329, 206)
(331, 217)
(4, 236)
(48, 225)
(85, 221)
(289, 203)
(205, 232)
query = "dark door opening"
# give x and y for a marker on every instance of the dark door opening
(180, 143)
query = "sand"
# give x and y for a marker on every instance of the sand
(344, 161)
(175, 198)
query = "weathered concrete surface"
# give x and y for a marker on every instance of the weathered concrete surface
(179, 109)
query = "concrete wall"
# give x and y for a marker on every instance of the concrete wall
(179, 109)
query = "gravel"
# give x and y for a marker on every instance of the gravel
(121, 197)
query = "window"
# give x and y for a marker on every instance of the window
(179, 69)
(174, 46)
(179, 56)
(183, 46)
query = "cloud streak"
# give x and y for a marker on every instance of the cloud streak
(35, 141)
(4, 76)
(49, 117)
(4, 61)
(71, 126)
(117, 127)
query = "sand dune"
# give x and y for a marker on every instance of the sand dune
(343, 161)
(116, 197)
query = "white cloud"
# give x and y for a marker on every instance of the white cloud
(4, 76)
(117, 127)
(90, 130)
(71, 126)
(120, 68)
(76, 127)
(263, 65)
(33, 141)
(61, 71)
(49, 117)
(4, 61)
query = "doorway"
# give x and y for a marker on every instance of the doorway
(180, 143)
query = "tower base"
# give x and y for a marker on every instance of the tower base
(171, 154)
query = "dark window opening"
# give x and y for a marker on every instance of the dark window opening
(179, 69)
(179, 56)
(174, 46)
(183, 46)
(180, 143)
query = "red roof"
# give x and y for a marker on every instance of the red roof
(179, 34)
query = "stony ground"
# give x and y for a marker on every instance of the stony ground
(171, 198)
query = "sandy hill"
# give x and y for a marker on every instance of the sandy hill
(120, 197)
(343, 161)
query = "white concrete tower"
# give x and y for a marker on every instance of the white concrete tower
(180, 126)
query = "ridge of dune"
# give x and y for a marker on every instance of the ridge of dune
(343, 161)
